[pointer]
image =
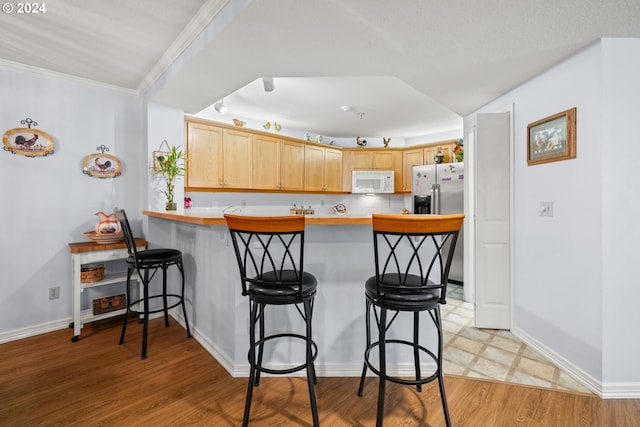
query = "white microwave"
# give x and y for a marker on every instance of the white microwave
(372, 182)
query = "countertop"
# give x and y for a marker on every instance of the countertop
(215, 216)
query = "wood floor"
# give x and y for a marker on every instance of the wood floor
(49, 381)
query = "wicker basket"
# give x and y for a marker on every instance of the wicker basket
(91, 273)
(107, 304)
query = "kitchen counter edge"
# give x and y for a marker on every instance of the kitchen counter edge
(218, 219)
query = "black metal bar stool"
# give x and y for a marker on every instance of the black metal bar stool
(270, 253)
(413, 255)
(146, 263)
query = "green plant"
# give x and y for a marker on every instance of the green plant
(170, 165)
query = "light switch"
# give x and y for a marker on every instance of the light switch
(546, 208)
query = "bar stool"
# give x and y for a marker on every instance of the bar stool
(146, 263)
(270, 253)
(412, 255)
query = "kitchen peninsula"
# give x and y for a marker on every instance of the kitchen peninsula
(338, 251)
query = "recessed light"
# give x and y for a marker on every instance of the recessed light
(346, 108)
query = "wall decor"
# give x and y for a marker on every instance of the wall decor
(101, 165)
(27, 141)
(160, 153)
(552, 138)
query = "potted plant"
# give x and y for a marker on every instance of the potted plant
(170, 165)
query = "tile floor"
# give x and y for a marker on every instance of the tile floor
(494, 354)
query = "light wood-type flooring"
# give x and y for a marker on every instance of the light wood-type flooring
(49, 381)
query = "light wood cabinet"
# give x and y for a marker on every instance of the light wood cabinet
(423, 155)
(266, 162)
(410, 158)
(431, 151)
(218, 158)
(322, 168)
(237, 159)
(292, 165)
(277, 164)
(204, 156)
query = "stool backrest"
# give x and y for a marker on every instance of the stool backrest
(128, 235)
(415, 251)
(270, 248)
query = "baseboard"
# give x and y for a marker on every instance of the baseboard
(603, 390)
(30, 331)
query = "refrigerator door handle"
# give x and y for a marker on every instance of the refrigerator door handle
(435, 199)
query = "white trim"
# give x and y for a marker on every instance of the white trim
(199, 22)
(30, 331)
(604, 390)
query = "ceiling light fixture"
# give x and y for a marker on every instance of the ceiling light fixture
(220, 107)
(346, 108)
(267, 82)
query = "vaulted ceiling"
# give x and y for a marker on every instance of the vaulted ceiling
(412, 67)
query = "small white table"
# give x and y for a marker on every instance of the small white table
(91, 252)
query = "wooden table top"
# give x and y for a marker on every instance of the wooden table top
(79, 247)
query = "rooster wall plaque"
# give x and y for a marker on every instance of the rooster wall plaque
(27, 141)
(101, 165)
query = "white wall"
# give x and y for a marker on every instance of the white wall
(48, 201)
(573, 271)
(620, 209)
(163, 124)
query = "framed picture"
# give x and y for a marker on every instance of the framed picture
(157, 155)
(161, 153)
(28, 142)
(101, 165)
(552, 138)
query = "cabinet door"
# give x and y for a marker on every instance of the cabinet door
(384, 160)
(313, 168)
(410, 158)
(430, 154)
(333, 170)
(361, 160)
(266, 162)
(291, 165)
(238, 162)
(204, 156)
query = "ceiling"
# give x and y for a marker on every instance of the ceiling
(411, 67)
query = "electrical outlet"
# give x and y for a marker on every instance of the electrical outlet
(54, 293)
(546, 208)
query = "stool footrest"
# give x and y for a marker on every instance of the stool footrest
(418, 381)
(283, 371)
(141, 300)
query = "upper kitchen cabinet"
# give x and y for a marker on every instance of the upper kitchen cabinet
(431, 152)
(423, 155)
(266, 162)
(374, 159)
(382, 160)
(204, 156)
(410, 158)
(218, 157)
(292, 161)
(277, 164)
(237, 159)
(322, 168)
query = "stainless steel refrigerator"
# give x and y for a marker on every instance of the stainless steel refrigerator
(439, 189)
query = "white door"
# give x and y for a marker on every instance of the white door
(492, 214)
